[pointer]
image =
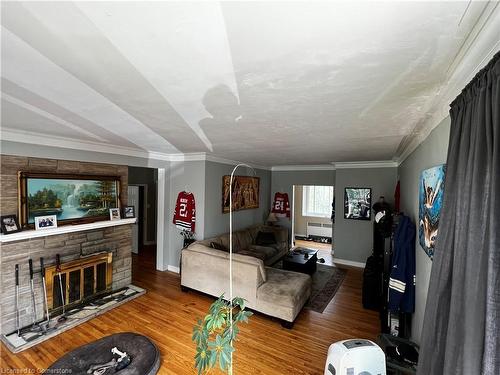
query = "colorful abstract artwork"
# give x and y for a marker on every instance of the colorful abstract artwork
(432, 182)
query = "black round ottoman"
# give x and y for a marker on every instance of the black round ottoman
(144, 356)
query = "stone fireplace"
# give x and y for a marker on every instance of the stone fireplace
(113, 242)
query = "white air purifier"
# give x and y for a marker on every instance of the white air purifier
(355, 357)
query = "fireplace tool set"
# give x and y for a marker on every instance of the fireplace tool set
(38, 328)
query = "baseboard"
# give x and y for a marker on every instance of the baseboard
(346, 262)
(173, 269)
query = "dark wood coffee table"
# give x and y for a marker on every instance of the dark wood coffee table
(301, 259)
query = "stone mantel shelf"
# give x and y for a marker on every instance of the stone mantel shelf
(29, 234)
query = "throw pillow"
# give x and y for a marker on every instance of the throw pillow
(265, 238)
(218, 246)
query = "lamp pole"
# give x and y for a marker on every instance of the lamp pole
(231, 258)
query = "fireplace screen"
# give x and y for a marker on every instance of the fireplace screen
(81, 280)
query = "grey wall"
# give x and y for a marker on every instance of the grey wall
(185, 176)
(431, 152)
(353, 239)
(283, 181)
(300, 224)
(215, 221)
(139, 175)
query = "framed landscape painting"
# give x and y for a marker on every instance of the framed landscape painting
(245, 193)
(430, 194)
(71, 198)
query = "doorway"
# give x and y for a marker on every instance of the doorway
(312, 222)
(142, 194)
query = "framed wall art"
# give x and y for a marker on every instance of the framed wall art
(357, 203)
(45, 222)
(430, 201)
(245, 193)
(71, 198)
(129, 212)
(114, 214)
(9, 224)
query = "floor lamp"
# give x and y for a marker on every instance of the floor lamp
(231, 256)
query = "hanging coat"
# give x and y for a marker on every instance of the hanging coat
(402, 279)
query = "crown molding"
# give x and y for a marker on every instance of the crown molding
(27, 137)
(366, 164)
(479, 47)
(216, 159)
(203, 156)
(319, 167)
(194, 156)
(21, 136)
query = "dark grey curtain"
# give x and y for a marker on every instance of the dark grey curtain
(461, 332)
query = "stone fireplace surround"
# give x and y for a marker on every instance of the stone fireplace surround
(70, 246)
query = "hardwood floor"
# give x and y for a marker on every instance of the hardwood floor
(314, 245)
(167, 315)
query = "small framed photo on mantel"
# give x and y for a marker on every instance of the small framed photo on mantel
(45, 222)
(114, 214)
(9, 224)
(128, 212)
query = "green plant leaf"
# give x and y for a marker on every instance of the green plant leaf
(243, 316)
(238, 301)
(227, 332)
(213, 358)
(202, 359)
(225, 357)
(213, 335)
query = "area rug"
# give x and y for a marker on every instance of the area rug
(326, 281)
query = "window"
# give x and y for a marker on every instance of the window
(317, 201)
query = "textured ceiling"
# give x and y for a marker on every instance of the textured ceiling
(262, 82)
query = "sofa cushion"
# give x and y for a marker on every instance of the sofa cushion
(224, 241)
(251, 253)
(253, 230)
(284, 288)
(237, 257)
(268, 251)
(244, 239)
(218, 246)
(265, 238)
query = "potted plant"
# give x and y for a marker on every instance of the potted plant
(214, 335)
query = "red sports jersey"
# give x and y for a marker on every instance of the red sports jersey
(185, 211)
(281, 205)
(397, 198)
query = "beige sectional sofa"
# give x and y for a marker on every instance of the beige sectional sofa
(271, 291)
